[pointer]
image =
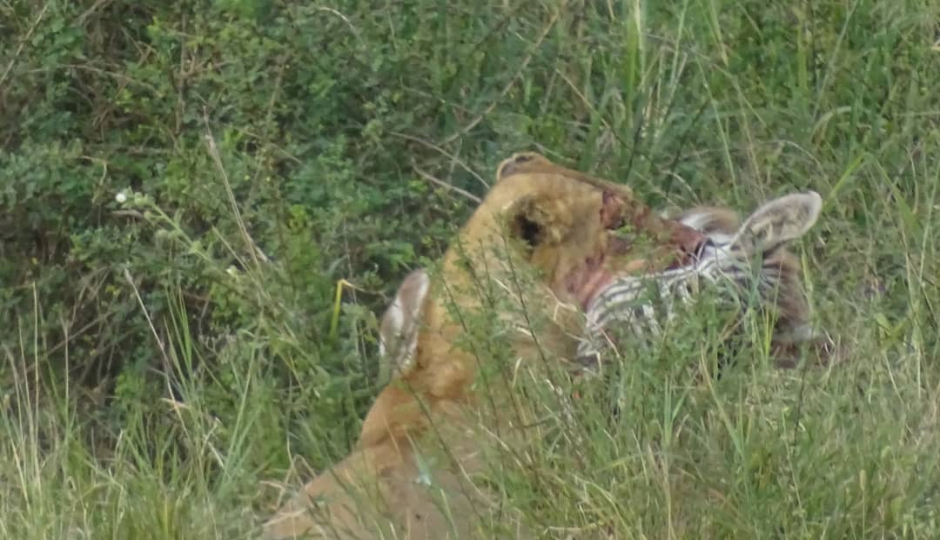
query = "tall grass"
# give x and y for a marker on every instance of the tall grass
(687, 101)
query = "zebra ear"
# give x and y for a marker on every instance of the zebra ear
(780, 221)
(398, 332)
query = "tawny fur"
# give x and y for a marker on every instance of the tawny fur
(398, 334)
(428, 434)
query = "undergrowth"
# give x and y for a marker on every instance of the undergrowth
(187, 188)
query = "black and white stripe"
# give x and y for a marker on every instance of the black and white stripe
(644, 304)
(724, 263)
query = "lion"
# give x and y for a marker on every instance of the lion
(538, 249)
(727, 255)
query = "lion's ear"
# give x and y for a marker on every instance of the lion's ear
(521, 162)
(398, 332)
(533, 221)
(526, 226)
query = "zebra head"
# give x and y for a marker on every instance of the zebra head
(735, 261)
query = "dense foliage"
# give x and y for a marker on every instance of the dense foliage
(188, 190)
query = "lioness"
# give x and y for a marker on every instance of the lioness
(743, 264)
(430, 432)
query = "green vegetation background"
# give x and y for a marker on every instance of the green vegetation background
(161, 379)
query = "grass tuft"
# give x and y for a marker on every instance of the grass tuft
(162, 377)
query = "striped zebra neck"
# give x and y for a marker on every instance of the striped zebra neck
(640, 303)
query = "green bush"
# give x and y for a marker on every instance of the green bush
(185, 185)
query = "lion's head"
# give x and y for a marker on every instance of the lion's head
(543, 243)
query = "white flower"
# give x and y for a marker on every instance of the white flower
(121, 197)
